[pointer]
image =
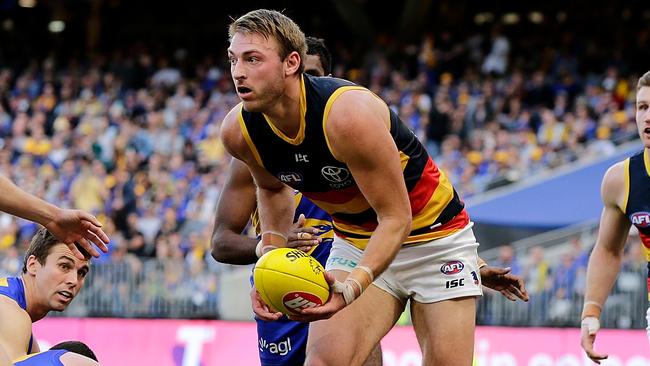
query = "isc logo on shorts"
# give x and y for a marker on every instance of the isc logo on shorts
(452, 267)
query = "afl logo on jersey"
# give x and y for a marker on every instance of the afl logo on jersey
(640, 219)
(452, 267)
(290, 178)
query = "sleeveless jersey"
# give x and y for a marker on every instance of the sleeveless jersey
(13, 288)
(637, 205)
(307, 164)
(46, 358)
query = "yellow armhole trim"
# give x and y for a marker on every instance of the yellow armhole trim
(300, 137)
(626, 169)
(247, 137)
(25, 357)
(646, 161)
(4, 282)
(328, 106)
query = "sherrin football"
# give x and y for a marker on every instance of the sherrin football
(290, 279)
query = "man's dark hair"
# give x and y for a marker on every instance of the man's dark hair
(316, 47)
(40, 247)
(76, 347)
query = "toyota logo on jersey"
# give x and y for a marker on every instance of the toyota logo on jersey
(335, 174)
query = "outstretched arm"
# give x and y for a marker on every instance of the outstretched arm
(605, 260)
(69, 226)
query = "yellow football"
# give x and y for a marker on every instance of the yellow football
(290, 279)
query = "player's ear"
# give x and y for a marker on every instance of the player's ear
(32, 265)
(292, 63)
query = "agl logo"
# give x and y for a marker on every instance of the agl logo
(640, 219)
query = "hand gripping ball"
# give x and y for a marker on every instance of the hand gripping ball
(290, 279)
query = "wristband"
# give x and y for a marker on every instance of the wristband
(361, 277)
(481, 263)
(261, 249)
(591, 324)
(591, 309)
(274, 238)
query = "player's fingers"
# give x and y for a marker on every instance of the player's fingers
(99, 233)
(83, 242)
(75, 251)
(508, 295)
(305, 248)
(513, 289)
(90, 236)
(300, 222)
(88, 217)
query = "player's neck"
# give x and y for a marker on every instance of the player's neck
(285, 114)
(35, 310)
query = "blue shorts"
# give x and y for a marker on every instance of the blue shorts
(283, 342)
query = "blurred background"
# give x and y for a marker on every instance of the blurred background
(114, 107)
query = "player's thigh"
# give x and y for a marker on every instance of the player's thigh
(445, 330)
(350, 335)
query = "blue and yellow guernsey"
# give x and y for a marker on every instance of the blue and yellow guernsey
(315, 217)
(307, 164)
(637, 204)
(46, 358)
(13, 288)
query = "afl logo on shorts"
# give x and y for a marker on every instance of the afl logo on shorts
(452, 267)
(640, 219)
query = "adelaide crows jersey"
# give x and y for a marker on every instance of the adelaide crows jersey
(637, 206)
(307, 164)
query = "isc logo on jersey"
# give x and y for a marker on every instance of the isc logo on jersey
(452, 267)
(640, 219)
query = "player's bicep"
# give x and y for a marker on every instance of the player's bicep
(373, 158)
(15, 328)
(614, 225)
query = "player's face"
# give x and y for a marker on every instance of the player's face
(59, 280)
(257, 70)
(313, 66)
(643, 115)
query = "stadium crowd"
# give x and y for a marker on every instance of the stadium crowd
(134, 140)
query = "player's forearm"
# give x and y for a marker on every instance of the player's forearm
(602, 270)
(384, 243)
(232, 248)
(276, 209)
(17, 202)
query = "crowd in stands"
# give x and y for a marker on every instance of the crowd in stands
(556, 279)
(135, 141)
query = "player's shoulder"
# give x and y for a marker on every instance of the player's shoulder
(231, 132)
(616, 174)
(614, 183)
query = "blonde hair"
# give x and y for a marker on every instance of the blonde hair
(272, 24)
(643, 81)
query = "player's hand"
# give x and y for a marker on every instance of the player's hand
(76, 226)
(588, 332)
(301, 237)
(325, 311)
(262, 310)
(500, 279)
